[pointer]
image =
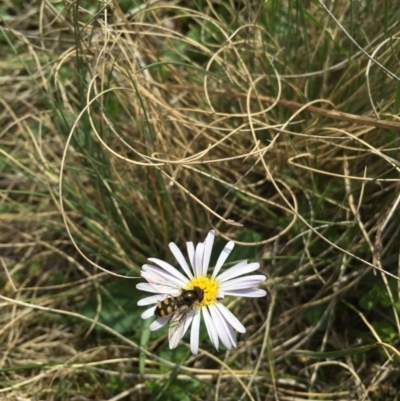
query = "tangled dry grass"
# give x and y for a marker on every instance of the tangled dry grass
(126, 126)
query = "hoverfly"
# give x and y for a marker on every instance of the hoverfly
(178, 308)
(185, 300)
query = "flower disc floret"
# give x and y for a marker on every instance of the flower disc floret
(209, 286)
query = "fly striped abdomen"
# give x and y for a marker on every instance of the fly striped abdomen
(168, 306)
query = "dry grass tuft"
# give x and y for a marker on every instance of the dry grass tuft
(126, 126)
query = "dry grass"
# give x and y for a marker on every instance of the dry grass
(125, 127)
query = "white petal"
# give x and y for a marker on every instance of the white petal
(230, 318)
(147, 287)
(160, 278)
(170, 269)
(212, 333)
(222, 257)
(232, 335)
(180, 258)
(148, 313)
(229, 329)
(151, 300)
(208, 244)
(239, 269)
(195, 333)
(220, 326)
(159, 275)
(190, 250)
(160, 322)
(242, 282)
(198, 262)
(163, 284)
(156, 275)
(248, 292)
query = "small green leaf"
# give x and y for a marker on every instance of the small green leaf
(375, 297)
(386, 331)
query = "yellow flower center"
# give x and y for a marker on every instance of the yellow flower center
(208, 285)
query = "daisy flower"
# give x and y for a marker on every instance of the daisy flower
(181, 299)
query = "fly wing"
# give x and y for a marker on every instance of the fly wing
(179, 323)
(159, 283)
